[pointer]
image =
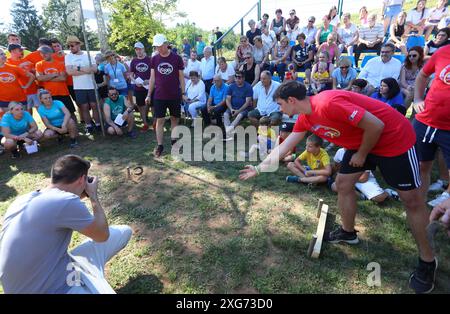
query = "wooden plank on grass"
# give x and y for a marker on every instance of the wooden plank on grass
(320, 231)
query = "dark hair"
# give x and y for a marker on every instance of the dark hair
(313, 138)
(389, 45)
(222, 59)
(241, 73)
(302, 35)
(265, 14)
(69, 168)
(44, 42)
(278, 11)
(361, 83)
(424, 7)
(393, 86)
(445, 30)
(112, 88)
(193, 73)
(331, 10)
(264, 121)
(420, 61)
(12, 35)
(290, 89)
(55, 41)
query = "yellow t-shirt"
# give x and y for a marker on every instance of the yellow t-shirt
(316, 162)
(268, 132)
(25, 53)
(320, 76)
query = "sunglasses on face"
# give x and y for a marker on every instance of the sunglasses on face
(248, 58)
(344, 67)
(114, 95)
(413, 56)
(310, 21)
(72, 46)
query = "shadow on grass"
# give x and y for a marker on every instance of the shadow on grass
(142, 284)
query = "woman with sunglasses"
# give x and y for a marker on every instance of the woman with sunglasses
(442, 39)
(241, 50)
(251, 70)
(292, 24)
(279, 57)
(344, 75)
(409, 72)
(390, 94)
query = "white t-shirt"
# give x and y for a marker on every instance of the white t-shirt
(415, 17)
(335, 21)
(347, 34)
(193, 66)
(196, 91)
(436, 15)
(269, 40)
(310, 34)
(80, 82)
(266, 105)
(225, 75)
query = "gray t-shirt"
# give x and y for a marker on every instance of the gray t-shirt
(36, 233)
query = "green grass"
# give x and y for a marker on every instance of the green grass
(198, 229)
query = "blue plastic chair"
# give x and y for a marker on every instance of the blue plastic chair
(415, 41)
(365, 60)
(400, 58)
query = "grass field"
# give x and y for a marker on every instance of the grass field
(198, 229)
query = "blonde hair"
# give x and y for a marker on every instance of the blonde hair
(13, 104)
(344, 61)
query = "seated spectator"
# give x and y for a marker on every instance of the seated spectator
(348, 35)
(367, 184)
(278, 25)
(225, 71)
(442, 39)
(250, 69)
(445, 22)
(435, 17)
(409, 72)
(390, 94)
(252, 32)
(18, 127)
(334, 17)
(185, 65)
(344, 75)
(381, 67)
(324, 31)
(239, 102)
(216, 105)
(261, 54)
(241, 50)
(286, 128)
(116, 73)
(363, 16)
(370, 37)
(331, 47)
(302, 56)
(416, 19)
(195, 97)
(56, 118)
(192, 65)
(317, 169)
(266, 106)
(320, 77)
(264, 22)
(360, 86)
(310, 31)
(269, 39)
(397, 35)
(390, 10)
(292, 24)
(280, 57)
(115, 105)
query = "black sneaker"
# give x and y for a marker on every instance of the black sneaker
(15, 154)
(60, 138)
(422, 279)
(340, 235)
(89, 130)
(98, 128)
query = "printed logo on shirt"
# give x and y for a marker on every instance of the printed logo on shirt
(445, 75)
(51, 71)
(325, 131)
(142, 67)
(353, 116)
(165, 68)
(6, 77)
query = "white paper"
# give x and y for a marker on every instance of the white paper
(119, 120)
(31, 149)
(140, 81)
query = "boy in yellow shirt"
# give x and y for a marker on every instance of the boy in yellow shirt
(318, 168)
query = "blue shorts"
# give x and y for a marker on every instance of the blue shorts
(429, 140)
(392, 11)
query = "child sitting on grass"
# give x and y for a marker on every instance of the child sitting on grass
(318, 168)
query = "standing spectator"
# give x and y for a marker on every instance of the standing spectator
(200, 47)
(15, 39)
(390, 94)
(435, 16)
(115, 105)
(432, 121)
(186, 47)
(382, 67)
(216, 105)
(363, 16)
(195, 98)
(35, 56)
(331, 47)
(239, 102)
(280, 57)
(269, 38)
(397, 33)
(409, 72)
(207, 68)
(12, 88)
(166, 78)
(302, 56)
(18, 127)
(344, 76)
(442, 39)
(242, 50)
(260, 54)
(219, 46)
(264, 22)
(82, 69)
(415, 21)
(251, 70)
(252, 32)
(56, 118)
(348, 35)
(324, 31)
(193, 64)
(225, 71)
(140, 69)
(390, 10)
(278, 24)
(310, 31)
(334, 18)
(370, 37)
(53, 77)
(116, 73)
(292, 25)
(100, 78)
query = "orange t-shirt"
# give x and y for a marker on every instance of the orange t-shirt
(10, 88)
(34, 57)
(54, 67)
(61, 58)
(29, 67)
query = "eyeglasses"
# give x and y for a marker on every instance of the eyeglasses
(248, 58)
(310, 21)
(292, 13)
(238, 76)
(344, 67)
(114, 95)
(385, 52)
(71, 46)
(413, 56)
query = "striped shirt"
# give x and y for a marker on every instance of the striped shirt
(371, 34)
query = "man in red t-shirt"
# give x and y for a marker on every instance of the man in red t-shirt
(432, 123)
(374, 135)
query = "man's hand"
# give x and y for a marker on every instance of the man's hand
(91, 188)
(234, 113)
(248, 173)
(442, 213)
(148, 101)
(357, 160)
(210, 108)
(419, 106)
(118, 130)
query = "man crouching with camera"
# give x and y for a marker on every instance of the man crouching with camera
(37, 230)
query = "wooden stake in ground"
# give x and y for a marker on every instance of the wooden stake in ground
(316, 242)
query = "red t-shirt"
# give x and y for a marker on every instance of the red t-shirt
(437, 102)
(336, 114)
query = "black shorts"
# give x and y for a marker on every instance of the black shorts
(401, 172)
(85, 96)
(67, 101)
(140, 97)
(429, 140)
(160, 108)
(287, 127)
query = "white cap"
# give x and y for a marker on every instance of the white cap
(159, 40)
(139, 45)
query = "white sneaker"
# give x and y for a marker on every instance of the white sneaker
(439, 199)
(436, 186)
(393, 194)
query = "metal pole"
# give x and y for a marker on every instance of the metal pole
(242, 27)
(90, 65)
(259, 10)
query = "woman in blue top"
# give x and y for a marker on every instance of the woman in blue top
(344, 75)
(116, 74)
(18, 127)
(390, 94)
(56, 118)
